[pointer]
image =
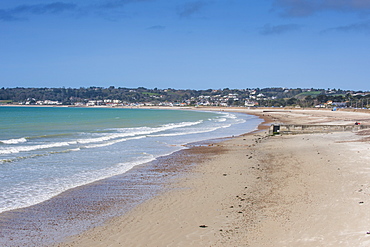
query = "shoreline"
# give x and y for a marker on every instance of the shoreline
(74, 207)
(25, 138)
(195, 156)
(258, 191)
(208, 108)
(78, 211)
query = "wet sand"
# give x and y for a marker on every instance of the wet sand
(259, 190)
(84, 207)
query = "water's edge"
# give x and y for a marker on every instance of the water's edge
(79, 209)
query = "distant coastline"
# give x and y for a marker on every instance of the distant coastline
(137, 97)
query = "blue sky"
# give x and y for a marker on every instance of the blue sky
(184, 44)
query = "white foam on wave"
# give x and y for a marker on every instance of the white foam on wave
(114, 142)
(99, 141)
(25, 195)
(220, 120)
(226, 126)
(14, 141)
(190, 132)
(19, 149)
(107, 137)
(240, 121)
(230, 115)
(220, 124)
(128, 132)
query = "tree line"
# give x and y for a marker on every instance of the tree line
(278, 97)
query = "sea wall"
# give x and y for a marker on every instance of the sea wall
(303, 129)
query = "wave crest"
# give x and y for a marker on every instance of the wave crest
(14, 141)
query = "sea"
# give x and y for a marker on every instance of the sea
(45, 151)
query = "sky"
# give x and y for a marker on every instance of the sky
(185, 44)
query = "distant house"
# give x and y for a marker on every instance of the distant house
(320, 106)
(339, 104)
(91, 103)
(250, 103)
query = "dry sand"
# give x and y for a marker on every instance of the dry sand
(258, 190)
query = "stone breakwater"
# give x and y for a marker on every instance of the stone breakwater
(304, 129)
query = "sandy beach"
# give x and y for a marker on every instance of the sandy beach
(259, 190)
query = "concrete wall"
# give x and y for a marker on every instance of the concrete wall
(302, 129)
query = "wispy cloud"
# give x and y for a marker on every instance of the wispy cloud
(56, 7)
(119, 3)
(7, 16)
(301, 8)
(269, 29)
(156, 27)
(190, 8)
(355, 27)
(18, 12)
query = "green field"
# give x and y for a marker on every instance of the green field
(310, 93)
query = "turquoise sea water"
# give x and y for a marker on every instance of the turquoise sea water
(47, 150)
